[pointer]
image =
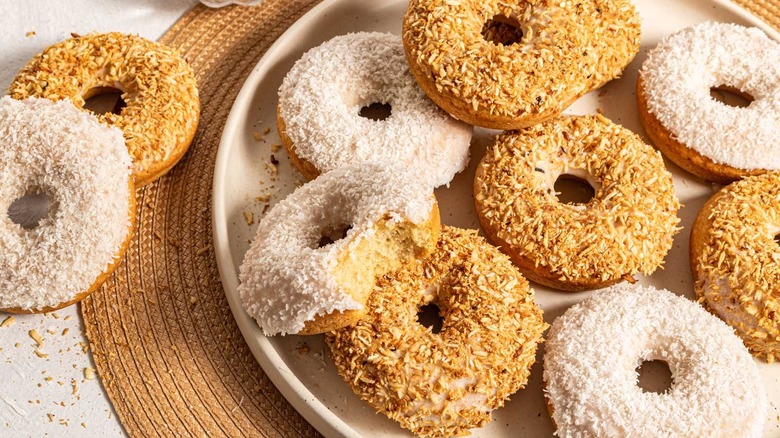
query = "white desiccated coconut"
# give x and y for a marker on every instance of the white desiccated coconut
(594, 349)
(679, 73)
(84, 169)
(321, 98)
(285, 277)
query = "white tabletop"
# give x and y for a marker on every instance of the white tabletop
(49, 390)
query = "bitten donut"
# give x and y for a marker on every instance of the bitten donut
(593, 352)
(508, 65)
(300, 276)
(626, 228)
(321, 98)
(706, 137)
(157, 85)
(84, 169)
(445, 383)
(735, 260)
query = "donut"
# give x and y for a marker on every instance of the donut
(157, 85)
(317, 253)
(445, 383)
(735, 260)
(593, 351)
(84, 169)
(509, 65)
(626, 228)
(706, 137)
(318, 115)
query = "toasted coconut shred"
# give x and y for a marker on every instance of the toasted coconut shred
(628, 226)
(443, 384)
(157, 84)
(738, 273)
(567, 49)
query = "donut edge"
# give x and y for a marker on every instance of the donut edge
(305, 167)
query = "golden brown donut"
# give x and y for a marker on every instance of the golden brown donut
(625, 229)
(158, 87)
(735, 260)
(445, 383)
(564, 52)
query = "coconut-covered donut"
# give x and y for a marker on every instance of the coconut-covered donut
(319, 112)
(626, 228)
(445, 383)
(300, 276)
(594, 349)
(735, 260)
(706, 137)
(84, 169)
(507, 76)
(157, 85)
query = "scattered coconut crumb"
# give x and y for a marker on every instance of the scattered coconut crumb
(51, 417)
(65, 331)
(89, 373)
(257, 136)
(84, 425)
(41, 354)
(303, 349)
(30, 34)
(36, 337)
(276, 147)
(249, 217)
(8, 322)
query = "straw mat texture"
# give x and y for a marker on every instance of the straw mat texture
(170, 355)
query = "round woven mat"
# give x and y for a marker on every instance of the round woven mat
(171, 357)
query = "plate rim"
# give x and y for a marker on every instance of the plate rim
(293, 390)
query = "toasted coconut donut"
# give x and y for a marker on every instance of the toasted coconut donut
(706, 137)
(594, 349)
(735, 260)
(319, 112)
(84, 169)
(157, 85)
(626, 228)
(445, 383)
(564, 52)
(301, 277)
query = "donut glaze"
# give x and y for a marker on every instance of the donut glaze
(593, 350)
(84, 169)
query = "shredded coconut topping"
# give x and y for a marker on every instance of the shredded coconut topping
(679, 73)
(321, 98)
(594, 349)
(443, 384)
(84, 169)
(285, 277)
(738, 267)
(626, 228)
(157, 84)
(566, 50)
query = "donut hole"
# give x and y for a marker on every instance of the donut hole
(654, 376)
(333, 234)
(731, 96)
(377, 111)
(502, 30)
(29, 210)
(429, 316)
(573, 189)
(104, 100)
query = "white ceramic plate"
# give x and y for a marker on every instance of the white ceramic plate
(300, 366)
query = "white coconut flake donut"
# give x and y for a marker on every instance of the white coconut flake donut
(84, 169)
(675, 83)
(594, 349)
(321, 98)
(293, 282)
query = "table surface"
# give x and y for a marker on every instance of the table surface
(49, 389)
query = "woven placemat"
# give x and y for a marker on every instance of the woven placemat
(170, 355)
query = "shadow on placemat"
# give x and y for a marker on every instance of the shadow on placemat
(171, 357)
